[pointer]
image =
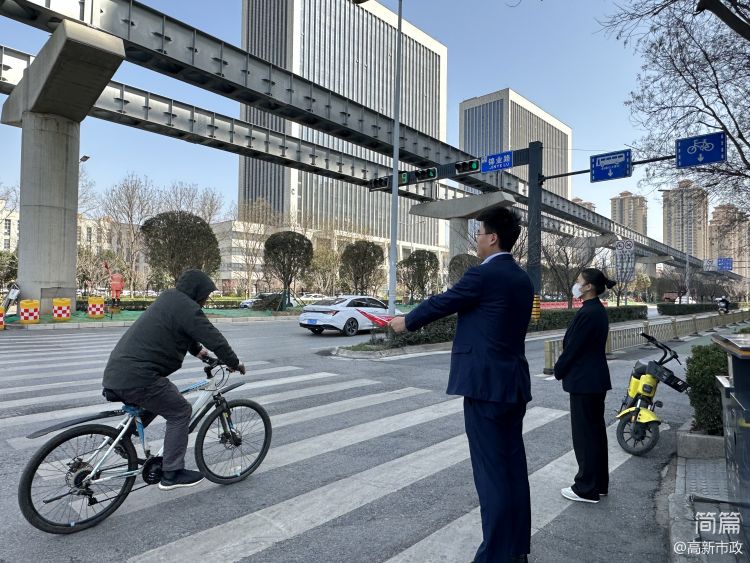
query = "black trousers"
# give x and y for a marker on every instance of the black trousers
(498, 459)
(590, 444)
(163, 398)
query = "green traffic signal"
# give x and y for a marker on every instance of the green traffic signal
(467, 166)
(426, 174)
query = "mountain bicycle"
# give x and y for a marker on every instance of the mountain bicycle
(82, 475)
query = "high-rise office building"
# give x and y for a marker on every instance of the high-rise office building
(686, 219)
(630, 210)
(729, 236)
(351, 50)
(504, 121)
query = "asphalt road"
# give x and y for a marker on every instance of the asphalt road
(368, 461)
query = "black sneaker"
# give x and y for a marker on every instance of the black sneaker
(177, 479)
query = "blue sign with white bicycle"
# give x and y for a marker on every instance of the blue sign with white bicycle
(725, 264)
(498, 161)
(611, 165)
(701, 150)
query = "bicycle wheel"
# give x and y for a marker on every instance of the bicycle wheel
(227, 457)
(637, 438)
(51, 493)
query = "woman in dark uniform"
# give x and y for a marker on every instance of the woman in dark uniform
(583, 369)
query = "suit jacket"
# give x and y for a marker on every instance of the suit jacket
(583, 364)
(493, 302)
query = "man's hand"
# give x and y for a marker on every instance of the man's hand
(240, 368)
(398, 324)
(203, 353)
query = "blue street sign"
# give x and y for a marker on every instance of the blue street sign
(703, 149)
(499, 161)
(725, 264)
(611, 166)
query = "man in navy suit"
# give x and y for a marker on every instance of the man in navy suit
(489, 368)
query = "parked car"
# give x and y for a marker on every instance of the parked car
(340, 313)
(312, 297)
(248, 303)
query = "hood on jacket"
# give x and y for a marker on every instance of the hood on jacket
(196, 285)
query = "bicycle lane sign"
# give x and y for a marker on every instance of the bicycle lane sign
(701, 150)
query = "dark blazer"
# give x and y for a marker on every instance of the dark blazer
(493, 302)
(583, 364)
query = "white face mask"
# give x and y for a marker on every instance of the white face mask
(577, 293)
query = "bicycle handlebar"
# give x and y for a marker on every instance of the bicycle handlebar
(668, 352)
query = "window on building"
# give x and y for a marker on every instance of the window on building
(89, 235)
(79, 234)
(98, 235)
(8, 226)
(6, 244)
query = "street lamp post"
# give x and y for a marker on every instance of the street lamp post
(393, 253)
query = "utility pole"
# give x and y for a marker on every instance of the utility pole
(536, 179)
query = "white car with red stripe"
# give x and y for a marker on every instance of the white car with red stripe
(346, 314)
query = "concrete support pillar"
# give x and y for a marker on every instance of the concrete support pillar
(650, 270)
(458, 239)
(56, 93)
(49, 205)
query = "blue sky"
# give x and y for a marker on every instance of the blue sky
(552, 52)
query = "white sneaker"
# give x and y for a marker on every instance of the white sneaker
(568, 493)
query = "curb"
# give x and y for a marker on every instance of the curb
(681, 526)
(377, 354)
(698, 446)
(119, 324)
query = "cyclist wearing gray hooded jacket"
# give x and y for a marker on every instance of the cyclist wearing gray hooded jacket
(154, 348)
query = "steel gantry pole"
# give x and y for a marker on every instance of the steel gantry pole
(393, 254)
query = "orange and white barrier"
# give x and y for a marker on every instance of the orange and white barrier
(96, 307)
(61, 310)
(28, 311)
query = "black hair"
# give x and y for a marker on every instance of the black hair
(504, 223)
(598, 280)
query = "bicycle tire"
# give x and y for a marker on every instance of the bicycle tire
(625, 425)
(25, 486)
(220, 440)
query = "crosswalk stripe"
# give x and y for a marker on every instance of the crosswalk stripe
(40, 375)
(295, 452)
(459, 540)
(12, 365)
(97, 393)
(313, 413)
(30, 419)
(231, 541)
(98, 380)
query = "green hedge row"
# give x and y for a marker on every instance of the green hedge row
(703, 365)
(676, 309)
(142, 304)
(444, 329)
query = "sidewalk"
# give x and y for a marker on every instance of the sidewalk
(695, 523)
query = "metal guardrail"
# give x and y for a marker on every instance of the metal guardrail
(630, 337)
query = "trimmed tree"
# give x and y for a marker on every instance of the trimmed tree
(287, 255)
(458, 266)
(419, 272)
(176, 241)
(360, 265)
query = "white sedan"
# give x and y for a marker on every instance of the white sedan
(342, 314)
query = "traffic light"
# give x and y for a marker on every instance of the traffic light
(380, 183)
(403, 178)
(426, 174)
(467, 166)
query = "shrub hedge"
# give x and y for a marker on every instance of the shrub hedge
(675, 309)
(703, 365)
(444, 329)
